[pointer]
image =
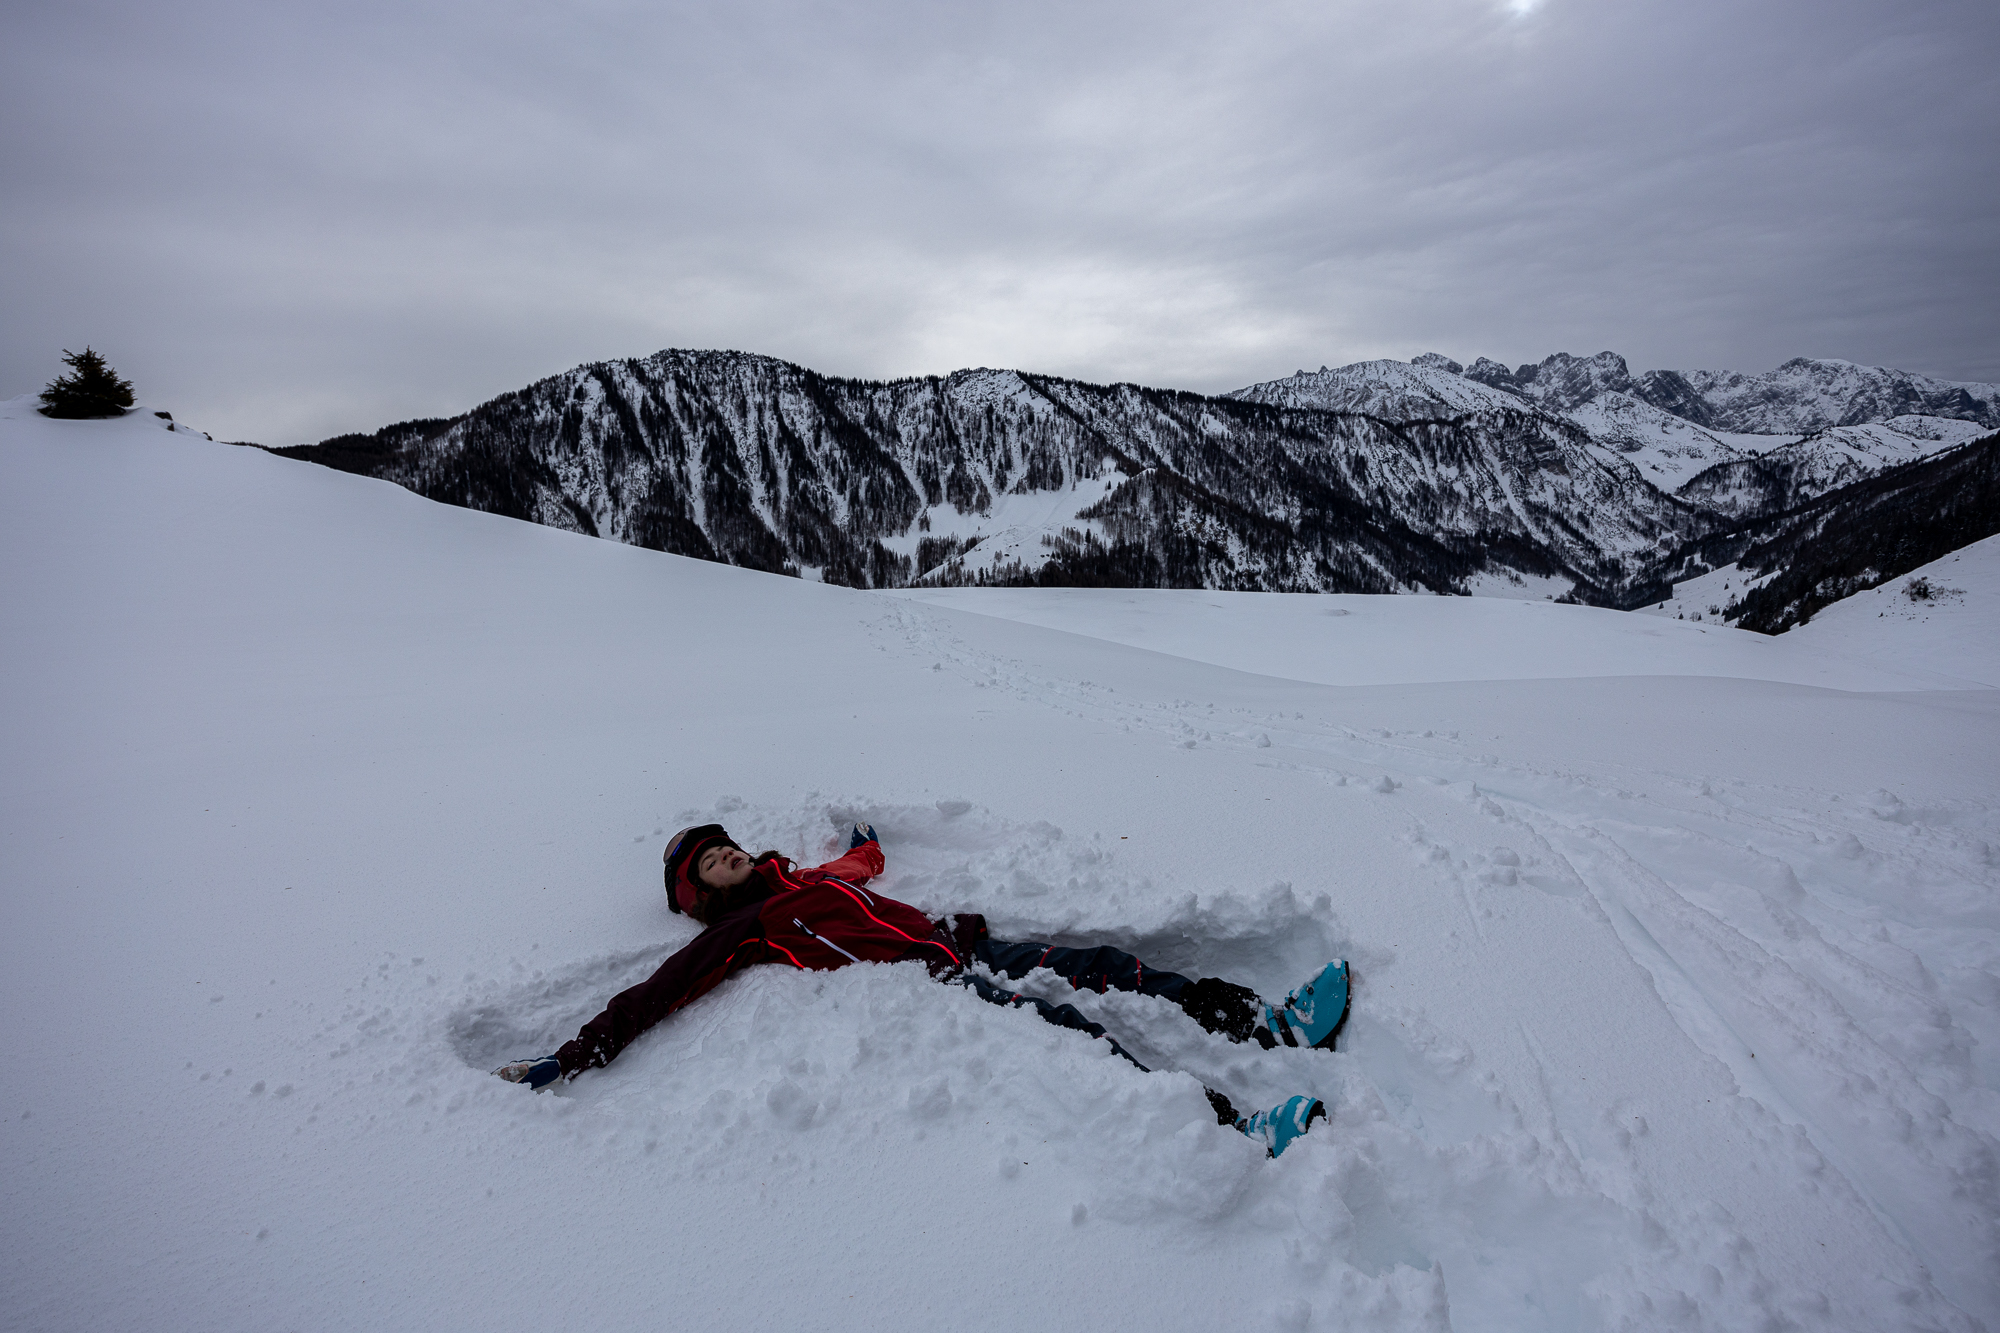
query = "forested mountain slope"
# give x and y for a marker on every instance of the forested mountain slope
(1788, 566)
(1571, 478)
(1002, 476)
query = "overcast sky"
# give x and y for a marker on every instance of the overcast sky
(287, 221)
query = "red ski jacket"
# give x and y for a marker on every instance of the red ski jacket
(816, 919)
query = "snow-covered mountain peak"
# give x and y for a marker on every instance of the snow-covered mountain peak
(1425, 389)
(1434, 361)
(1674, 427)
(1804, 394)
(1564, 382)
(1814, 393)
(994, 388)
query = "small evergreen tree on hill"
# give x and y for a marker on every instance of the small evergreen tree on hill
(91, 389)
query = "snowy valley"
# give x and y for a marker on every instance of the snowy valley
(1674, 945)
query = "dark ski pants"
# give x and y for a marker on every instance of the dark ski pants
(1100, 969)
(1062, 1015)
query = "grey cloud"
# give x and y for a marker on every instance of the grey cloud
(284, 223)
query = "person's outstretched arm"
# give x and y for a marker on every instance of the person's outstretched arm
(863, 860)
(730, 944)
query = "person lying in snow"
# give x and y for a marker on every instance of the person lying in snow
(764, 909)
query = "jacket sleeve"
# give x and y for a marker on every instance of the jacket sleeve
(730, 944)
(858, 866)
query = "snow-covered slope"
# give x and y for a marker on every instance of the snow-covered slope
(1336, 640)
(1665, 448)
(1794, 471)
(1703, 598)
(1782, 570)
(1674, 1002)
(1945, 615)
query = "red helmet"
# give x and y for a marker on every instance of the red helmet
(684, 849)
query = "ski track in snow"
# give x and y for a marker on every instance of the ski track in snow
(1799, 1129)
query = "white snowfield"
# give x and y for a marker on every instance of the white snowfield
(1337, 639)
(1675, 955)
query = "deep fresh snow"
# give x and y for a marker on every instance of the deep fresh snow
(1675, 955)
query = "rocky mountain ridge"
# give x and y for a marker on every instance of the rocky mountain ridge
(1003, 476)
(1803, 395)
(1378, 477)
(1679, 440)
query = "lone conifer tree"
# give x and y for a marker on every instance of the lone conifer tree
(91, 389)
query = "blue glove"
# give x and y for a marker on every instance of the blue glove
(537, 1074)
(862, 833)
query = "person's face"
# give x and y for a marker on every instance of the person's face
(722, 867)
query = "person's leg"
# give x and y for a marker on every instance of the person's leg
(1100, 969)
(1276, 1127)
(1067, 1016)
(1219, 1006)
(1063, 1016)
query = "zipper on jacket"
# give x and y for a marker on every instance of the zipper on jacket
(856, 888)
(822, 939)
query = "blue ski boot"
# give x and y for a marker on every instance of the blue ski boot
(1310, 1015)
(537, 1074)
(1283, 1123)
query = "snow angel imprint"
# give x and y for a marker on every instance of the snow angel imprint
(764, 909)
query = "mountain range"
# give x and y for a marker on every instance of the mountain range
(1570, 478)
(1809, 426)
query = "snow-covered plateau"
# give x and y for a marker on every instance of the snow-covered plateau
(1675, 948)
